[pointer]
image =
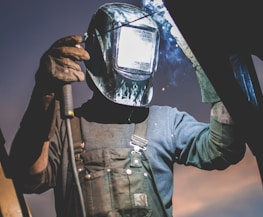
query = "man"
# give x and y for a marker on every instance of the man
(124, 151)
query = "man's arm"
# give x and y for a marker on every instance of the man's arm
(30, 147)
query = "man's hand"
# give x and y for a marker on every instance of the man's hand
(59, 63)
(220, 113)
(58, 66)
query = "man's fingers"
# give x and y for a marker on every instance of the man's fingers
(67, 63)
(68, 41)
(68, 74)
(73, 75)
(70, 52)
(69, 47)
(65, 69)
(79, 75)
(63, 55)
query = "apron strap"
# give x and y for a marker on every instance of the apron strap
(138, 138)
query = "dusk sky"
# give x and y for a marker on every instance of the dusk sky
(29, 27)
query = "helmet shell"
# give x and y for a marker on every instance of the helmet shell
(123, 43)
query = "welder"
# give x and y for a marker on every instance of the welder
(124, 148)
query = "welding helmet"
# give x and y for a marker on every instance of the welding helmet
(123, 43)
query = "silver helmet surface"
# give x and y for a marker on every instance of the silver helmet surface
(123, 43)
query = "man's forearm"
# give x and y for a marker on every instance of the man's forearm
(41, 163)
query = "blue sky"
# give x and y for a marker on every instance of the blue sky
(29, 27)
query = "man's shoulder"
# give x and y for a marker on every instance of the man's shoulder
(162, 108)
(162, 111)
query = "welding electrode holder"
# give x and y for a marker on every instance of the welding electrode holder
(68, 113)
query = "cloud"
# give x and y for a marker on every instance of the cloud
(197, 191)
